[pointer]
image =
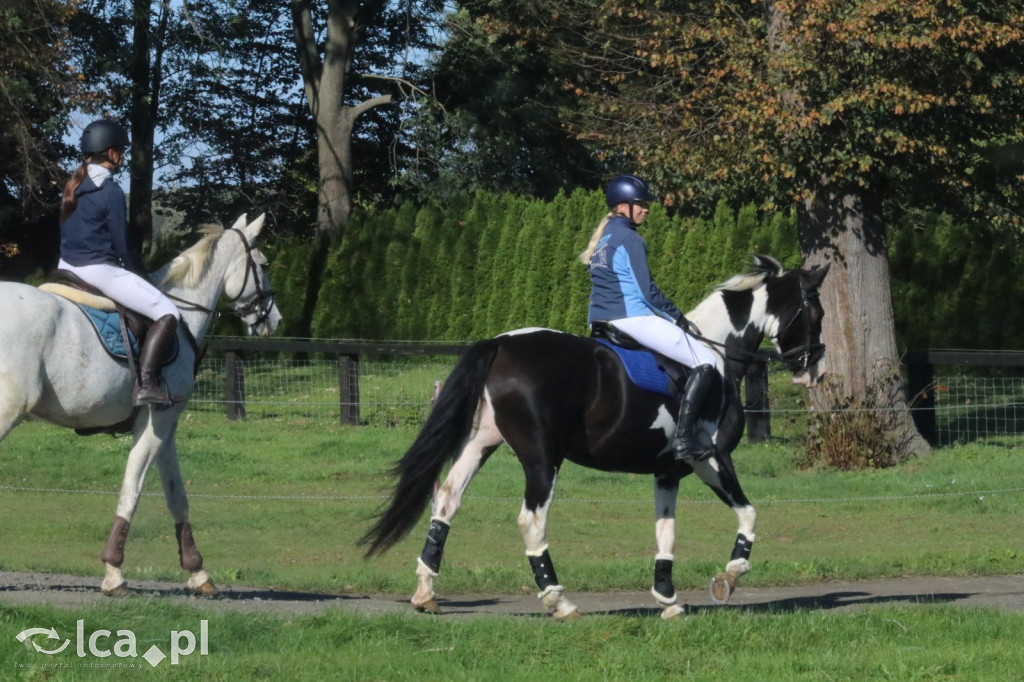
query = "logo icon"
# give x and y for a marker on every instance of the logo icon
(50, 634)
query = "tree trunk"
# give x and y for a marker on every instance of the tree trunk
(334, 148)
(324, 83)
(864, 419)
(140, 194)
(146, 76)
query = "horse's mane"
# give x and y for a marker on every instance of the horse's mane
(763, 267)
(190, 264)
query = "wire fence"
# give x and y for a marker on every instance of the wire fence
(399, 391)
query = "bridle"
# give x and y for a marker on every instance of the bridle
(802, 354)
(254, 306)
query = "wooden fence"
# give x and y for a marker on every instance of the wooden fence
(921, 388)
(920, 375)
(348, 354)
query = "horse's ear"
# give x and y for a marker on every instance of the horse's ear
(240, 223)
(767, 264)
(816, 275)
(253, 228)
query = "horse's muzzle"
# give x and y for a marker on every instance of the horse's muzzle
(808, 377)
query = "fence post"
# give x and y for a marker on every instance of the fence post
(234, 386)
(921, 394)
(348, 388)
(758, 411)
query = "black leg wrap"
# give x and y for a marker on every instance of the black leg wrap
(433, 550)
(663, 578)
(741, 550)
(543, 570)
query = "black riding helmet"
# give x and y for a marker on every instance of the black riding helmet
(101, 135)
(627, 189)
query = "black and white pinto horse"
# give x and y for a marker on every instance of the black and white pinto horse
(553, 396)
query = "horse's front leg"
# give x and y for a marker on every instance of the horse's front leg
(665, 495)
(144, 451)
(199, 582)
(719, 474)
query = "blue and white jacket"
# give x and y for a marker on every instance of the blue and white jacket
(97, 230)
(621, 284)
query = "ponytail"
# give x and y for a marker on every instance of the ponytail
(68, 201)
(594, 239)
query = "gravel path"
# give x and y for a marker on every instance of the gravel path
(1002, 592)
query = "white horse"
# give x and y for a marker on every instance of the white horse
(55, 369)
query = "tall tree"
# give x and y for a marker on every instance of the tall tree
(348, 69)
(494, 123)
(238, 135)
(846, 111)
(35, 87)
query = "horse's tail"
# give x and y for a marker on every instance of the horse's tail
(440, 439)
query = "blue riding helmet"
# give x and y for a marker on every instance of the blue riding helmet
(627, 189)
(103, 134)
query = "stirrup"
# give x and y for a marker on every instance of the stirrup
(690, 449)
(156, 396)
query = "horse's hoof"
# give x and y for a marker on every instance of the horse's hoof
(429, 606)
(722, 587)
(571, 615)
(672, 612)
(207, 589)
(120, 591)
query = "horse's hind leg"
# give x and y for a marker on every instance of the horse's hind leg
(533, 523)
(719, 475)
(484, 440)
(199, 582)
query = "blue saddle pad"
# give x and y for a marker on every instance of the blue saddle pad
(643, 369)
(108, 328)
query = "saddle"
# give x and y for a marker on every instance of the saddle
(121, 331)
(70, 286)
(648, 369)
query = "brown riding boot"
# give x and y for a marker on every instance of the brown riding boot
(152, 390)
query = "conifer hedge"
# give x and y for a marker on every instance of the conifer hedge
(491, 263)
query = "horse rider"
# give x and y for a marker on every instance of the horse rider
(95, 246)
(624, 295)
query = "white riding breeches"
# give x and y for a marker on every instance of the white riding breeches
(125, 287)
(666, 338)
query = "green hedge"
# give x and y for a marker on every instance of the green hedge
(493, 263)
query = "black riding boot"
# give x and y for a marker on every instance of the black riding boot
(152, 390)
(686, 443)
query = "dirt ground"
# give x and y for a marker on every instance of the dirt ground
(1001, 592)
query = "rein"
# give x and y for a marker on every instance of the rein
(252, 307)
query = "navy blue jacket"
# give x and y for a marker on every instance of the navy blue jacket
(621, 284)
(97, 230)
